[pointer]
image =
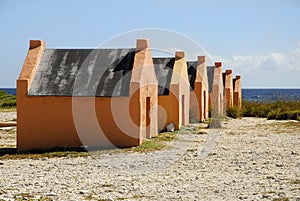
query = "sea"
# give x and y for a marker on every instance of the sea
(10, 91)
(251, 95)
(270, 95)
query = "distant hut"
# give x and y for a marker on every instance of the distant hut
(199, 96)
(237, 96)
(228, 89)
(173, 91)
(215, 83)
(86, 97)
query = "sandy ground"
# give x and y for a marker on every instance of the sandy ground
(8, 134)
(248, 159)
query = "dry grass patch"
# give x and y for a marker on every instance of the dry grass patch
(11, 109)
(281, 199)
(155, 143)
(280, 127)
(38, 154)
(297, 181)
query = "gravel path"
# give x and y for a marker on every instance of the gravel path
(7, 116)
(7, 134)
(249, 159)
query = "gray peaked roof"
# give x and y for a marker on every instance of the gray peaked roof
(224, 78)
(210, 77)
(83, 72)
(163, 70)
(233, 83)
(192, 71)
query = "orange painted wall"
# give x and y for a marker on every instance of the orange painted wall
(48, 122)
(168, 111)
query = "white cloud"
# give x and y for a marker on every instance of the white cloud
(273, 61)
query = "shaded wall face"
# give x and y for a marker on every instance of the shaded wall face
(216, 100)
(199, 103)
(228, 91)
(195, 103)
(199, 96)
(216, 96)
(168, 111)
(173, 108)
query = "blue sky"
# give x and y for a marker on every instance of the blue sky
(258, 39)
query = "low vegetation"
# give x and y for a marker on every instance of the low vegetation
(7, 101)
(234, 112)
(152, 144)
(10, 153)
(280, 110)
(155, 143)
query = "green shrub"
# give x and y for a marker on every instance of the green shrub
(296, 115)
(7, 101)
(288, 115)
(234, 112)
(281, 110)
(273, 114)
(2, 93)
(255, 109)
(11, 103)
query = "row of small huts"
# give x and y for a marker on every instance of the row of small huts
(104, 98)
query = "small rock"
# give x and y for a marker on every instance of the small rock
(171, 127)
(50, 194)
(83, 192)
(190, 129)
(266, 196)
(1, 163)
(281, 194)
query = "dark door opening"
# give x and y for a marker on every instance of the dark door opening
(204, 105)
(182, 111)
(148, 118)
